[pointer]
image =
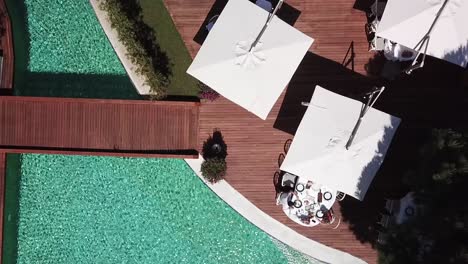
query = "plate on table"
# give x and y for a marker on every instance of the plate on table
(327, 196)
(300, 187)
(409, 211)
(297, 203)
(319, 214)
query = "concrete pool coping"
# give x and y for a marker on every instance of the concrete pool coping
(137, 79)
(271, 226)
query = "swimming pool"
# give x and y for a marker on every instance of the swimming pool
(61, 50)
(77, 209)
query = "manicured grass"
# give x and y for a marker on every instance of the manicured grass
(10, 226)
(157, 17)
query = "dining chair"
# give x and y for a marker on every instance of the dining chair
(340, 196)
(382, 238)
(288, 180)
(377, 9)
(287, 144)
(384, 220)
(338, 224)
(281, 158)
(390, 205)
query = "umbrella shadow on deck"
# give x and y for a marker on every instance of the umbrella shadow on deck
(433, 96)
(316, 70)
(362, 216)
(287, 13)
(363, 5)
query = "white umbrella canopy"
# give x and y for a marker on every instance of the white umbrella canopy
(318, 150)
(408, 21)
(255, 79)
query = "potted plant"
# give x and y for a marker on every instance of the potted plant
(214, 169)
(214, 152)
(214, 146)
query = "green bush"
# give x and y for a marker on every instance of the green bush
(214, 169)
(127, 32)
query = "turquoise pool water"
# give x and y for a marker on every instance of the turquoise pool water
(66, 37)
(76, 209)
(61, 50)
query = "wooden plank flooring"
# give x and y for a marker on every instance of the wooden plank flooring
(254, 145)
(6, 43)
(91, 126)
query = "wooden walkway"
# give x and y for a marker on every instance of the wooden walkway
(6, 44)
(98, 127)
(254, 145)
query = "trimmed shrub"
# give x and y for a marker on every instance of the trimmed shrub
(214, 170)
(127, 26)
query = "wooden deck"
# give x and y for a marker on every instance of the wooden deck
(6, 44)
(254, 145)
(98, 127)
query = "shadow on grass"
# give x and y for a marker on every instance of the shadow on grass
(287, 13)
(11, 210)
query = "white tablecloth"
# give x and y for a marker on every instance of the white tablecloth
(310, 195)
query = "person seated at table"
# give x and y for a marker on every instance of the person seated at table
(286, 199)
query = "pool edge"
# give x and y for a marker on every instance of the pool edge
(271, 226)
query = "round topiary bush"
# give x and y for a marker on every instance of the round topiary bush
(214, 169)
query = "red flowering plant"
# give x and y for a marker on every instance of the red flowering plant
(207, 93)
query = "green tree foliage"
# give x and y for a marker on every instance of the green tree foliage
(127, 22)
(440, 184)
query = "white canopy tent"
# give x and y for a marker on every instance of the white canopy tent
(409, 22)
(252, 79)
(318, 151)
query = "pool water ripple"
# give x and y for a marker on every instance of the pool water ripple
(67, 38)
(76, 209)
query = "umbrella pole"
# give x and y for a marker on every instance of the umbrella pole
(270, 17)
(424, 42)
(364, 109)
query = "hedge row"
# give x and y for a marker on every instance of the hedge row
(126, 29)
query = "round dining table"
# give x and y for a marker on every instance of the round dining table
(309, 209)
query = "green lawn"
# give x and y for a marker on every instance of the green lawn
(157, 17)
